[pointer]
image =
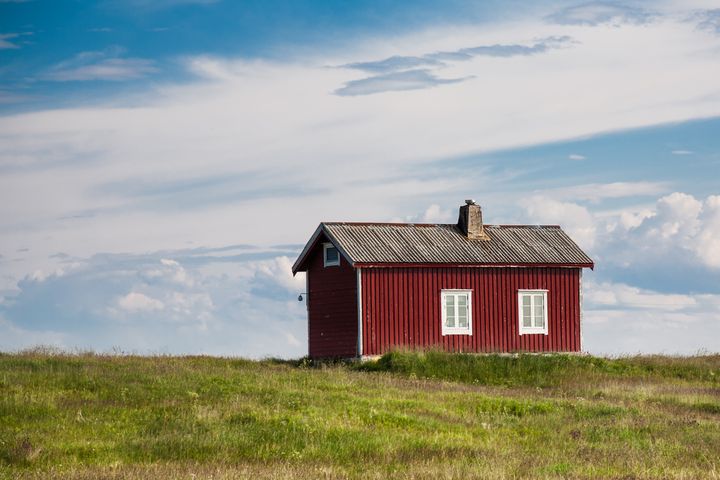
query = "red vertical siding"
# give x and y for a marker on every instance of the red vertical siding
(401, 308)
(332, 308)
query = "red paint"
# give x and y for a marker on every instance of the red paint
(332, 308)
(401, 308)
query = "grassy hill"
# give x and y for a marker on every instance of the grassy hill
(407, 415)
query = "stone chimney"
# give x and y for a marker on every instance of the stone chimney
(470, 221)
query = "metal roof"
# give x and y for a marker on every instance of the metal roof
(399, 243)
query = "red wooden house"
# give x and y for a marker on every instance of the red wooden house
(467, 287)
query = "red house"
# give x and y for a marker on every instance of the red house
(469, 287)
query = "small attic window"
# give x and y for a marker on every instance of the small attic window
(331, 255)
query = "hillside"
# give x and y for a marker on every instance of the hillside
(405, 416)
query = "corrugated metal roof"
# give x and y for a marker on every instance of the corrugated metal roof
(376, 243)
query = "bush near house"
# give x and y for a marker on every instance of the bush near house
(406, 415)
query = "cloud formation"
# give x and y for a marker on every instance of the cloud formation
(136, 302)
(597, 13)
(653, 287)
(394, 82)
(210, 300)
(259, 152)
(594, 192)
(620, 319)
(4, 43)
(399, 73)
(156, 4)
(9, 97)
(149, 303)
(673, 245)
(438, 59)
(709, 20)
(5, 38)
(104, 65)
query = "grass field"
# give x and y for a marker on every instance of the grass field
(407, 415)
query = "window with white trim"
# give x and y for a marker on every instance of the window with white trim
(456, 312)
(532, 311)
(331, 255)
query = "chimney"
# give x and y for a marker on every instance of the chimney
(470, 221)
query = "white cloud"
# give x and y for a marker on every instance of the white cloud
(598, 12)
(8, 97)
(709, 19)
(576, 156)
(682, 152)
(595, 192)
(292, 340)
(395, 82)
(14, 338)
(620, 295)
(400, 73)
(575, 219)
(4, 43)
(193, 308)
(139, 302)
(707, 237)
(103, 65)
(176, 272)
(169, 271)
(677, 216)
(678, 227)
(242, 302)
(433, 214)
(633, 219)
(621, 319)
(240, 150)
(284, 118)
(278, 272)
(15, 37)
(41, 276)
(160, 4)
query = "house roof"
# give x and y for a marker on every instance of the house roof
(378, 244)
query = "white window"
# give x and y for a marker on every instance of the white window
(456, 312)
(532, 311)
(331, 255)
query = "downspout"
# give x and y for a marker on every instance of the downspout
(359, 313)
(581, 311)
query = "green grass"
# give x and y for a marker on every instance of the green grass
(532, 370)
(407, 415)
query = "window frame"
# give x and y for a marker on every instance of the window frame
(443, 317)
(532, 330)
(326, 247)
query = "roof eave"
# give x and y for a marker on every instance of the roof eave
(306, 250)
(590, 265)
(299, 265)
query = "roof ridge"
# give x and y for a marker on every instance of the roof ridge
(422, 224)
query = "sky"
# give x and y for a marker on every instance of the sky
(163, 162)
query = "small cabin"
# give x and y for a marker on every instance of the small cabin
(465, 287)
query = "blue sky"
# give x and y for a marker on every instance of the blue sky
(148, 40)
(162, 163)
